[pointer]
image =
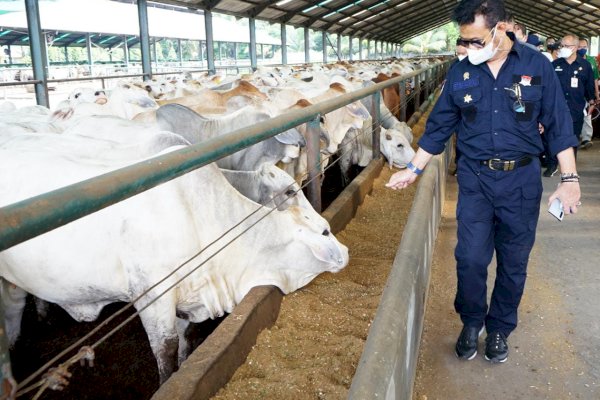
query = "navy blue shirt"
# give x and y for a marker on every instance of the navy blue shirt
(481, 111)
(577, 81)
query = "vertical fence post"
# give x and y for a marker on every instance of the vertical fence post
(417, 94)
(313, 158)
(376, 116)
(427, 78)
(402, 92)
(8, 385)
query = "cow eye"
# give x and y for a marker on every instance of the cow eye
(99, 92)
(77, 95)
(290, 192)
(322, 120)
(400, 145)
(325, 232)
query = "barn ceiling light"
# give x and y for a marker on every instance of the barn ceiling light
(282, 2)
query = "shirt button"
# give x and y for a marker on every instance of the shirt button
(496, 133)
(496, 111)
(495, 88)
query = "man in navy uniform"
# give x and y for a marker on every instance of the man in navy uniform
(495, 100)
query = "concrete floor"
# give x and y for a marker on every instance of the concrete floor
(555, 351)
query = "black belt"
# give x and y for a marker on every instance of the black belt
(506, 165)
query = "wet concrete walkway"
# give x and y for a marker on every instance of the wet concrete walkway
(555, 351)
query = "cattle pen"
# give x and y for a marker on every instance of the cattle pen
(42, 61)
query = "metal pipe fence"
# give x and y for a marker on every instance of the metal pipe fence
(32, 217)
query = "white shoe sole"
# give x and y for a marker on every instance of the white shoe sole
(474, 354)
(496, 361)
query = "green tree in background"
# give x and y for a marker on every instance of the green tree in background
(439, 40)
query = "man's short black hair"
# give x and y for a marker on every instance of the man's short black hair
(492, 10)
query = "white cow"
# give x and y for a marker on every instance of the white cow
(269, 186)
(195, 127)
(357, 149)
(117, 253)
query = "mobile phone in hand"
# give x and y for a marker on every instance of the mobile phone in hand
(556, 209)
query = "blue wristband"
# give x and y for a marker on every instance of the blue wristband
(414, 169)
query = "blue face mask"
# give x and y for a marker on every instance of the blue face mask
(582, 52)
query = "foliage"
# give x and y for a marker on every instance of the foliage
(439, 40)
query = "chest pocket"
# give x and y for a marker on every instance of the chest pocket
(531, 97)
(469, 102)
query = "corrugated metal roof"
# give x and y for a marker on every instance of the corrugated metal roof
(400, 20)
(388, 20)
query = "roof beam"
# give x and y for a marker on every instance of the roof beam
(253, 12)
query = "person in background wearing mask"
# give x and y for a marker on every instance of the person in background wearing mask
(588, 131)
(520, 32)
(494, 103)
(552, 47)
(577, 81)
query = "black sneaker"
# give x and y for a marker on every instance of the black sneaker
(586, 144)
(466, 345)
(496, 347)
(550, 171)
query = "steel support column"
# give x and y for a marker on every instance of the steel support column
(180, 52)
(350, 48)
(210, 53)
(66, 50)
(145, 39)
(324, 41)
(88, 46)
(283, 44)
(360, 49)
(339, 46)
(37, 44)
(126, 52)
(252, 49)
(306, 46)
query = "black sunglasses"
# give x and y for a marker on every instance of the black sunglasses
(477, 43)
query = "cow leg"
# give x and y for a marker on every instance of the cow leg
(41, 306)
(13, 300)
(160, 326)
(185, 347)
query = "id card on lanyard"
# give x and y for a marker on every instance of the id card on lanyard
(574, 82)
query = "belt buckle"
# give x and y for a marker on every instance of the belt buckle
(491, 163)
(509, 165)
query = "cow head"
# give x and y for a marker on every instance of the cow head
(395, 147)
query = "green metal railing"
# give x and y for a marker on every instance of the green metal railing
(29, 218)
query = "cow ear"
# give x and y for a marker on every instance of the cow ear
(291, 137)
(181, 120)
(358, 110)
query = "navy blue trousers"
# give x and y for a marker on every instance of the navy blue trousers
(497, 210)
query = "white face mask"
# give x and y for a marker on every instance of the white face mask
(565, 52)
(477, 57)
(461, 57)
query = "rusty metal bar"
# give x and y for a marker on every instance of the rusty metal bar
(417, 89)
(40, 214)
(313, 161)
(402, 91)
(376, 116)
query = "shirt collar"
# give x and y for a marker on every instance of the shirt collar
(517, 47)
